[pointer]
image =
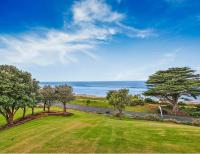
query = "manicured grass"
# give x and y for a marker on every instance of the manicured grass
(86, 132)
(19, 114)
(101, 102)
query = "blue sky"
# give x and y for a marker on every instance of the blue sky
(92, 40)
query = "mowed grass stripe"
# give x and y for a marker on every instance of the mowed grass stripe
(60, 138)
(85, 132)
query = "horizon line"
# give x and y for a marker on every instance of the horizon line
(97, 81)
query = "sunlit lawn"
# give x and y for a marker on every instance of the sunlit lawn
(86, 132)
(19, 114)
(95, 102)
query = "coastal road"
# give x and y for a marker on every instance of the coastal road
(109, 111)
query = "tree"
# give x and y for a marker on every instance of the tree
(35, 95)
(48, 96)
(33, 98)
(64, 94)
(15, 90)
(119, 99)
(172, 84)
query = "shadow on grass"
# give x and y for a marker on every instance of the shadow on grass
(35, 116)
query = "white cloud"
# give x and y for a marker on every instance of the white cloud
(134, 32)
(47, 47)
(94, 11)
(93, 21)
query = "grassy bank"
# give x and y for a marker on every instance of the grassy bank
(102, 102)
(185, 109)
(19, 114)
(84, 132)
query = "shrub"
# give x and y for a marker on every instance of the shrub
(98, 112)
(107, 112)
(150, 100)
(195, 114)
(182, 104)
(183, 107)
(137, 100)
(196, 122)
(197, 107)
(172, 120)
(88, 102)
(152, 117)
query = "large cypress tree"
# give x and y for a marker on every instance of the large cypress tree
(172, 84)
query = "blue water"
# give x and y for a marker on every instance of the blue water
(100, 88)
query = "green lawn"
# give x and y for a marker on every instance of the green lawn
(19, 114)
(85, 132)
(101, 102)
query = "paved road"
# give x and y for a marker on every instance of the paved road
(127, 113)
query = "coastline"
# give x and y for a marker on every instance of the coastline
(88, 96)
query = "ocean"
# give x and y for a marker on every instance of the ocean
(100, 88)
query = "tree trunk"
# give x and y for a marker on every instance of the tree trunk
(174, 103)
(24, 112)
(48, 108)
(119, 114)
(9, 119)
(64, 108)
(175, 108)
(33, 110)
(44, 107)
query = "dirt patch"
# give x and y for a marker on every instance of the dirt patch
(35, 116)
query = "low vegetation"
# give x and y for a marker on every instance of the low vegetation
(85, 132)
(119, 99)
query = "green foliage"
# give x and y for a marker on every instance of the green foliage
(48, 96)
(119, 99)
(16, 90)
(195, 114)
(137, 100)
(88, 102)
(150, 100)
(152, 117)
(171, 84)
(64, 94)
(198, 107)
(191, 110)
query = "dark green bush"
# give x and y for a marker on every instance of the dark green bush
(150, 100)
(197, 107)
(137, 100)
(195, 114)
(88, 102)
(182, 104)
